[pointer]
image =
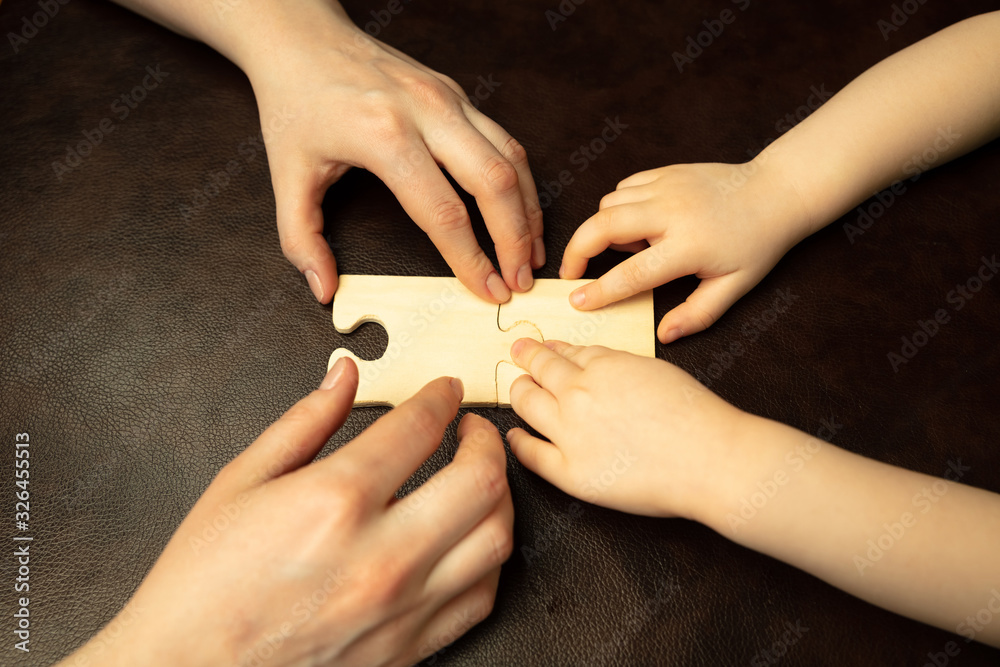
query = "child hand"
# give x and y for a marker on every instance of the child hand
(626, 432)
(727, 224)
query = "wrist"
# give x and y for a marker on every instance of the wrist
(747, 465)
(279, 36)
(782, 198)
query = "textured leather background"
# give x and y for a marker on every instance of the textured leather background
(142, 350)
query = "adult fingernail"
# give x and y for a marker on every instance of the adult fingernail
(458, 388)
(497, 287)
(524, 278)
(334, 375)
(672, 335)
(578, 298)
(315, 284)
(538, 253)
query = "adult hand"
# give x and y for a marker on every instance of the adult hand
(307, 563)
(361, 103)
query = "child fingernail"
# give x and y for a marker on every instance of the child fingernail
(672, 335)
(334, 375)
(577, 298)
(516, 348)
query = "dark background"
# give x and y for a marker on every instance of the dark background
(142, 348)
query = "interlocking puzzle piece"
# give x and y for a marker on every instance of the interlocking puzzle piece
(626, 325)
(438, 327)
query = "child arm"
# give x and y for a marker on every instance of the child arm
(642, 436)
(730, 224)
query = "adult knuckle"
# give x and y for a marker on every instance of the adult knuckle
(449, 215)
(423, 422)
(502, 541)
(499, 174)
(491, 477)
(432, 93)
(388, 126)
(387, 580)
(514, 152)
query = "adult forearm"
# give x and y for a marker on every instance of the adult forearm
(247, 32)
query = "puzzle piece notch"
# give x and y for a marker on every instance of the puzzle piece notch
(626, 325)
(435, 327)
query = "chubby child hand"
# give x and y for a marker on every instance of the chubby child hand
(726, 224)
(626, 432)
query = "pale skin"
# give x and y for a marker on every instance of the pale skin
(642, 436)
(331, 98)
(730, 224)
(287, 561)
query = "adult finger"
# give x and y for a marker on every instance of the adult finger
(483, 171)
(514, 152)
(456, 617)
(298, 195)
(390, 450)
(459, 497)
(429, 199)
(298, 436)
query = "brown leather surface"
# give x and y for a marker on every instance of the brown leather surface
(145, 344)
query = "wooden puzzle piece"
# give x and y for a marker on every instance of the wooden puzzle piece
(435, 326)
(438, 327)
(626, 325)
